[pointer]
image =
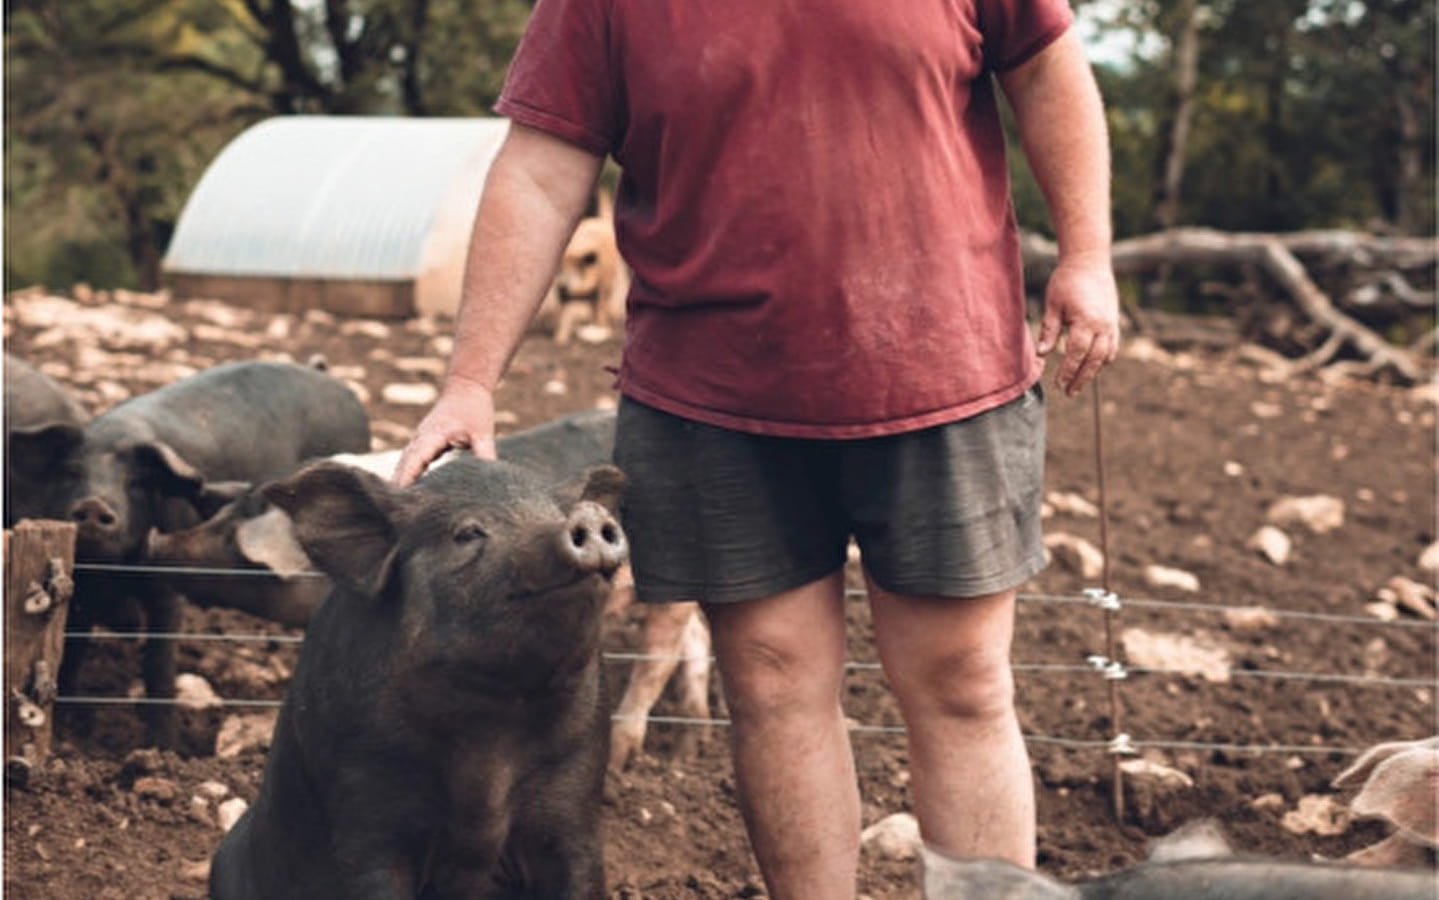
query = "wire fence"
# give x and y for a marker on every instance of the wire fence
(1120, 744)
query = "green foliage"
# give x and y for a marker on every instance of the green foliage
(1308, 113)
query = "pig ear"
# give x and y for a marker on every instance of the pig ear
(604, 485)
(177, 477)
(215, 495)
(41, 448)
(346, 520)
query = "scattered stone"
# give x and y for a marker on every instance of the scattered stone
(1251, 618)
(350, 373)
(1233, 469)
(1376, 656)
(443, 345)
(605, 401)
(243, 732)
(1381, 610)
(1429, 559)
(413, 394)
(1272, 543)
(230, 812)
(280, 327)
(1075, 554)
(200, 810)
(1268, 803)
(1319, 513)
(391, 432)
(1413, 597)
(1152, 793)
(421, 365)
(213, 790)
(154, 788)
(194, 692)
(893, 837)
(1071, 504)
(1317, 814)
(645, 816)
(365, 328)
(1164, 577)
(361, 392)
(506, 417)
(195, 870)
(1185, 654)
(556, 387)
(594, 334)
(1262, 410)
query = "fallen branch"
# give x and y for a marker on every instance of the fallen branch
(1276, 256)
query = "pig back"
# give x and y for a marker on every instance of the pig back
(33, 398)
(246, 421)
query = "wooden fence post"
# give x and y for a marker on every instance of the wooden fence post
(39, 572)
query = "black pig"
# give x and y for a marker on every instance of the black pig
(167, 460)
(249, 533)
(444, 735)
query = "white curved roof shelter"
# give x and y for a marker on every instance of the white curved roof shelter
(360, 215)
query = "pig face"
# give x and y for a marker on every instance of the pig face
(114, 493)
(588, 261)
(492, 579)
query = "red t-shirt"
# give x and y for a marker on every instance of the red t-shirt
(814, 200)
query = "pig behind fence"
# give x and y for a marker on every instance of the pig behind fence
(250, 533)
(444, 734)
(166, 460)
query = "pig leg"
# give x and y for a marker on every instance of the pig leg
(663, 637)
(157, 665)
(693, 681)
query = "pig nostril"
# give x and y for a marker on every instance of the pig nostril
(78, 515)
(106, 519)
(609, 534)
(579, 535)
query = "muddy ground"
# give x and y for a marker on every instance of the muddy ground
(1197, 446)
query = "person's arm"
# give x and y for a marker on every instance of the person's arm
(535, 192)
(1061, 123)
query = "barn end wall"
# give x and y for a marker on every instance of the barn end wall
(371, 298)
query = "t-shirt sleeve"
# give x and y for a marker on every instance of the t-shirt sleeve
(1015, 30)
(561, 80)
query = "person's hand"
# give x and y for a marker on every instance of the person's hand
(464, 416)
(1082, 303)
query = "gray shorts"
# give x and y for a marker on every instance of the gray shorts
(720, 515)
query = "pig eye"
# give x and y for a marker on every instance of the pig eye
(469, 532)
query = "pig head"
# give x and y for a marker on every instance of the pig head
(444, 734)
(115, 487)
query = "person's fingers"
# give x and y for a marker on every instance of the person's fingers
(485, 449)
(1077, 345)
(421, 451)
(1049, 327)
(1094, 360)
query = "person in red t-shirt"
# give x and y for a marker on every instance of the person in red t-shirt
(825, 340)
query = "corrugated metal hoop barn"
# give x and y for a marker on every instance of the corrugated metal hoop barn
(355, 215)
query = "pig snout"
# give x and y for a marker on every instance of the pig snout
(593, 540)
(97, 521)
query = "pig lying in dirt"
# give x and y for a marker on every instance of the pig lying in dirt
(444, 734)
(166, 460)
(1195, 863)
(1399, 784)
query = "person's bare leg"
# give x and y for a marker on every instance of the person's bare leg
(947, 661)
(781, 661)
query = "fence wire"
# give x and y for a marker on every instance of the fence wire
(1092, 668)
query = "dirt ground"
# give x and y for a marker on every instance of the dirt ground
(1197, 446)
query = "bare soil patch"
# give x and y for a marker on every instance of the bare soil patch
(1197, 448)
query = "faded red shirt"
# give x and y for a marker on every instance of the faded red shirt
(814, 200)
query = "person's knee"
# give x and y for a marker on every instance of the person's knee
(765, 678)
(965, 683)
